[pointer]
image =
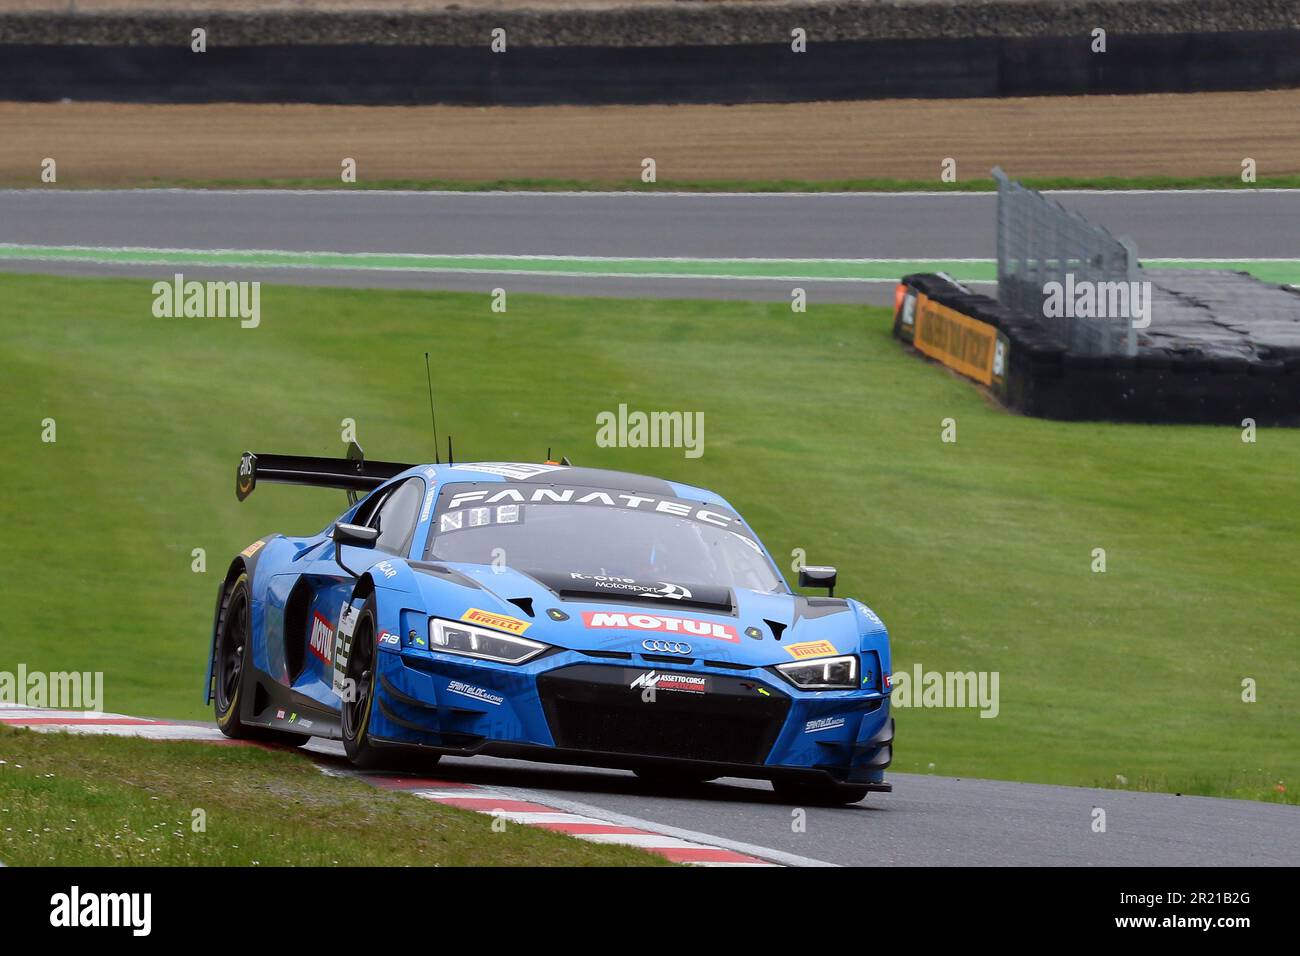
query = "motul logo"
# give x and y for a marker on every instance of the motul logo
(660, 623)
(322, 638)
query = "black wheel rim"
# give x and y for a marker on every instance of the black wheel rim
(230, 662)
(361, 673)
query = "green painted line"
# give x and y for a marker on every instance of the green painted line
(836, 269)
(1283, 271)
(861, 270)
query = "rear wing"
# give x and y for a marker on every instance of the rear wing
(353, 473)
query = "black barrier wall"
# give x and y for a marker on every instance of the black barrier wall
(1042, 379)
(855, 69)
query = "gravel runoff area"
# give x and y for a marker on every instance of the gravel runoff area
(1174, 135)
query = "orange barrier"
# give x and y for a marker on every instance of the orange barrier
(958, 341)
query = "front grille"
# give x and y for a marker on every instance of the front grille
(667, 659)
(594, 708)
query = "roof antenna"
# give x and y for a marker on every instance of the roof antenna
(432, 416)
(451, 459)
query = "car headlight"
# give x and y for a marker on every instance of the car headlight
(825, 673)
(456, 638)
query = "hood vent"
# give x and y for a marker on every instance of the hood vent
(664, 595)
(442, 571)
(777, 628)
(524, 604)
(724, 606)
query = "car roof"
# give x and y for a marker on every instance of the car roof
(546, 473)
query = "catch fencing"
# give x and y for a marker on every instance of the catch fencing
(1041, 242)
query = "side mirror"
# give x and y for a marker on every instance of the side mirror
(357, 535)
(815, 576)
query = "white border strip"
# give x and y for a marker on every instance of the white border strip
(522, 257)
(622, 819)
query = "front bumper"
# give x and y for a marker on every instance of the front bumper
(567, 707)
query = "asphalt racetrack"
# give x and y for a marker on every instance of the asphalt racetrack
(681, 232)
(936, 821)
(926, 821)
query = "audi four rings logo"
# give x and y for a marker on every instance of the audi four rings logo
(667, 647)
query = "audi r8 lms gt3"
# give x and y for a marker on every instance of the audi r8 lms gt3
(549, 612)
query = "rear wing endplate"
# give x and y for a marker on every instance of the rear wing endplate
(353, 473)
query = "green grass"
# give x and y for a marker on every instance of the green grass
(1289, 181)
(819, 427)
(111, 801)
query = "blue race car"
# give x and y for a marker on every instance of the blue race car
(549, 612)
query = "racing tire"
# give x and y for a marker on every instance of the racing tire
(355, 715)
(817, 793)
(234, 635)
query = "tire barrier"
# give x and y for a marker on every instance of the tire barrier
(369, 74)
(1029, 372)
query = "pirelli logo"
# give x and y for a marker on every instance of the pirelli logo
(810, 649)
(502, 622)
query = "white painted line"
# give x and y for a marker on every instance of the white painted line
(546, 257)
(521, 257)
(651, 836)
(524, 273)
(647, 841)
(83, 722)
(143, 731)
(434, 270)
(1287, 259)
(622, 819)
(535, 817)
(733, 863)
(471, 791)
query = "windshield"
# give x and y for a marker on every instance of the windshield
(565, 538)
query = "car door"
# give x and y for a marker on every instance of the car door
(394, 511)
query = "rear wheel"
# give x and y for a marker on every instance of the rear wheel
(817, 793)
(234, 637)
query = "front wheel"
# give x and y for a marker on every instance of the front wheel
(360, 702)
(357, 711)
(817, 793)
